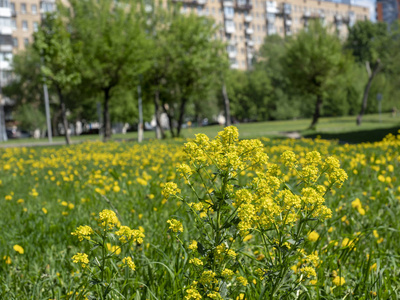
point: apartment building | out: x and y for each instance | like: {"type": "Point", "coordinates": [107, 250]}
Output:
{"type": "Point", "coordinates": [6, 45]}
{"type": "Point", "coordinates": [388, 10]}
{"type": "Point", "coordinates": [26, 18]}
{"type": "Point", "coordinates": [244, 23]}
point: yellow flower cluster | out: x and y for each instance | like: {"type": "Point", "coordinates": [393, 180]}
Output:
{"type": "Point", "coordinates": [127, 261]}
{"type": "Point", "coordinates": [126, 234]}
{"type": "Point", "coordinates": [83, 232]}
{"type": "Point", "coordinates": [170, 189]}
{"type": "Point", "coordinates": [175, 225]}
{"type": "Point", "coordinates": [108, 218]}
{"type": "Point", "coordinates": [81, 258]}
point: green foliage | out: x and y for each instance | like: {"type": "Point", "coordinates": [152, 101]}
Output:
{"type": "Point", "coordinates": [367, 41]}
{"type": "Point", "coordinates": [30, 117]}
{"type": "Point", "coordinates": [60, 57]}
{"type": "Point", "coordinates": [313, 60]}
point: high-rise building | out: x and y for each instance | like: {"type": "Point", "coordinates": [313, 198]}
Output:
{"type": "Point", "coordinates": [388, 10]}
{"type": "Point", "coordinates": [6, 45]}
{"type": "Point", "coordinates": [26, 18]}
{"type": "Point", "coordinates": [244, 23]}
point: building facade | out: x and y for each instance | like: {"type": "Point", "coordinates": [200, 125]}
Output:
{"type": "Point", "coordinates": [245, 24]}
{"type": "Point", "coordinates": [26, 18]}
{"type": "Point", "coordinates": [388, 10]}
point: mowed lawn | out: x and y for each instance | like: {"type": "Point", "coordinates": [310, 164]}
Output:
{"type": "Point", "coordinates": [344, 129]}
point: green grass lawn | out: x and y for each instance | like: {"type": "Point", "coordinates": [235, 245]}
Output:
{"type": "Point", "coordinates": [343, 129]}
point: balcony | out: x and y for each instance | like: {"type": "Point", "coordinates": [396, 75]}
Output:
{"type": "Point", "coordinates": [232, 54]}
{"type": "Point", "coordinates": [250, 43]}
{"type": "Point", "coordinates": [5, 12]}
{"type": "Point", "coordinates": [192, 2]}
{"type": "Point", "coordinates": [270, 18]}
{"type": "Point", "coordinates": [5, 65]}
{"type": "Point", "coordinates": [248, 18]}
{"type": "Point", "coordinates": [249, 31]}
{"type": "Point", "coordinates": [228, 15]}
{"type": "Point", "coordinates": [227, 3]}
{"type": "Point", "coordinates": [271, 7]}
{"type": "Point", "coordinates": [250, 55]}
{"type": "Point", "coordinates": [234, 65]}
{"type": "Point", "coordinates": [271, 30]}
{"type": "Point", "coordinates": [230, 29]}
{"type": "Point", "coordinates": [288, 22]}
{"type": "Point", "coordinates": [243, 5]}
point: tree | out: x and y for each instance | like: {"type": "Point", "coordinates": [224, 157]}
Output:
{"type": "Point", "coordinates": [313, 59]}
{"type": "Point", "coordinates": [187, 66]}
{"type": "Point", "coordinates": [60, 60]}
{"type": "Point", "coordinates": [368, 43]}
{"type": "Point", "coordinates": [114, 46]}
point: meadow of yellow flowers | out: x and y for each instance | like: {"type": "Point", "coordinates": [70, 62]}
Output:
{"type": "Point", "coordinates": [218, 218]}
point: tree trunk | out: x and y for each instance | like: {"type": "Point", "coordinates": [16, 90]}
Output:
{"type": "Point", "coordinates": [181, 115]}
{"type": "Point", "coordinates": [64, 116]}
{"type": "Point", "coordinates": [54, 122]}
{"type": "Point", "coordinates": [106, 116]}
{"type": "Point", "coordinates": [159, 130]}
{"type": "Point", "coordinates": [317, 112]}
{"type": "Point", "coordinates": [226, 106]}
{"type": "Point", "coordinates": [371, 76]}
{"type": "Point", "coordinates": [170, 120]}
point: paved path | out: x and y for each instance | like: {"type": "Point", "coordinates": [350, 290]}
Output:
{"type": "Point", "coordinates": [36, 144]}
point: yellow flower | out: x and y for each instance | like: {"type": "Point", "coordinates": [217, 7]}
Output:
{"type": "Point", "coordinates": [193, 246]}
{"type": "Point", "coordinates": [175, 225]}
{"type": "Point", "coordinates": [81, 258]}
{"type": "Point", "coordinates": [83, 232]}
{"type": "Point", "coordinates": [127, 261]}
{"type": "Point", "coordinates": [208, 277]}
{"type": "Point", "coordinates": [108, 218]}
{"type": "Point", "coordinates": [126, 234]}
{"type": "Point", "coordinates": [116, 188]}
{"type": "Point", "coordinates": [7, 260]}
{"type": "Point", "coordinates": [170, 189]}
{"type": "Point", "coordinates": [243, 281]}
{"type": "Point", "coordinates": [313, 236]}
{"type": "Point", "coordinates": [44, 210]}
{"type": "Point", "coordinates": [196, 261]}
{"type": "Point", "coordinates": [338, 281]}
{"type": "Point", "coordinates": [19, 249]}
{"type": "Point", "coordinates": [308, 271]}
{"type": "Point", "coordinates": [372, 267]}
{"type": "Point", "coordinates": [227, 273]}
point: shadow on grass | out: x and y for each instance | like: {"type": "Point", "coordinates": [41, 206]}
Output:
{"type": "Point", "coordinates": [354, 137]}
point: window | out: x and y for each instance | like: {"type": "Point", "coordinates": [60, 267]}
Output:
{"type": "Point", "coordinates": [5, 22]}
{"type": "Point", "coordinates": [23, 8]}
{"type": "Point", "coordinates": [24, 25]}
{"type": "Point", "coordinates": [35, 26]}
{"type": "Point", "coordinates": [5, 56]}
{"type": "Point", "coordinates": [12, 6]}
{"type": "Point", "coordinates": [229, 12]}
{"type": "Point", "coordinates": [26, 41]}
{"type": "Point", "coordinates": [34, 9]}
{"type": "Point", "coordinates": [15, 42]}
{"type": "Point", "coordinates": [13, 24]}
